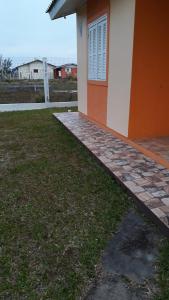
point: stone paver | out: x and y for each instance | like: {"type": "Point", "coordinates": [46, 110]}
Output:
{"type": "Point", "coordinates": [160, 146]}
{"type": "Point", "coordinates": [143, 177]}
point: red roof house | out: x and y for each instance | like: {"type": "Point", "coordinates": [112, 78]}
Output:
{"type": "Point", "coordinates": [65, 71]}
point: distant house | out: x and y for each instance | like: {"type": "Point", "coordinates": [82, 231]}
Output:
{"type": "Point", "coordinates": [34, 70]}
{"type": "Point", "coordinates": [65, 71]}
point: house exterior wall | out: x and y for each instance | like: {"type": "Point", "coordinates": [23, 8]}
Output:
{"type": "Point", "coordinates": [74, 72]}
{"type": "Point", "coordinates": [24, 72]}
{"type": "Point", "coordinates": [133, 101]}
{"type": "Point", "coordinates": [108, 102]}
{"type": "Point", "coordinates": [64, 74]}
{"type": "Point", "coordinates": [38, 66]}
{"type": "Point", "coordinates": [27, 71]}
{"type": "Point", "coordinates": [97, 90]}
{"type": "Point", "coordinates": [56, 73]}
{"type": "Point", "coordinates": [122, 18]}
{"type": "Point", "coordinates": [82, 46]}
{"type": "Point", "coordinates": [149, 114]}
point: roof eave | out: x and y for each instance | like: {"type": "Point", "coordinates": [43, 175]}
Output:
{"type": "Point", "coordinates": [56, 8]}
{"type": "Point", "coordinates": [63, 8]}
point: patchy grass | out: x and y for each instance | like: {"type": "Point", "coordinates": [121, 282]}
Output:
{"type": "Point", "coordinates": [58, 208]}
{"type": "Point", "coordinates": [23, 91]}
{"type": "Point", "coordinates": [163, 278]}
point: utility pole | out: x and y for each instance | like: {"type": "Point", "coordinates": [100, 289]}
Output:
{"type": "Point", "coordinates": [46, 80]}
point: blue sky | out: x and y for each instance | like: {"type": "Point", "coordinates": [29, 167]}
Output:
{"type": "Point", "coordinates": [27, 31]}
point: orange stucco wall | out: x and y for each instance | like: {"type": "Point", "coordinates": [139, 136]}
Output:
{"type": "Point", "coordinates": [149, 112]}
{"type": "Point", "coordinates": [97, 90]}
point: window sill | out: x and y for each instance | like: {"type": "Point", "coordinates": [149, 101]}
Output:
{"type": "Point", "coordinates": [98, 82]}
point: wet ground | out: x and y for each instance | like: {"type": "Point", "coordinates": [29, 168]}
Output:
{"type": "Point", "coordinates": [128, 265]}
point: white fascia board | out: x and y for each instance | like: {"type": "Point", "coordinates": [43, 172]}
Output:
{"type": "Point", "coordinates": [56, 8]}
{"type": "Point", "coordinates": [64, 8]}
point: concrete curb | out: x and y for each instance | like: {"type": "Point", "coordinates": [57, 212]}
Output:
{"type": "Point", "coordinates": [32, 106]}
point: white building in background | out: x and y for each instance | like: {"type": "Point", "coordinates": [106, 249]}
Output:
{"type": "Point", "coordinates": [33, 70]}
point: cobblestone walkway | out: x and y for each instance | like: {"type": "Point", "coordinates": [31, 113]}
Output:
{"type": "Point", "coordinates": [143, 177]}
{"type": "Point", "coordinates": [159, 146]}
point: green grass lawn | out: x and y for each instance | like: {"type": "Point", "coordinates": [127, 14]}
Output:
{"type": "Point", "coordinates": [58, 209]}
{"type": "Point", "coordinates": [163, 278]}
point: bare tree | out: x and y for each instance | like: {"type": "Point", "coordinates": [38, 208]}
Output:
{"type": "Point", "coordinates": [1, 62]}
{"type": "Point", "coordinates": [5, 67]}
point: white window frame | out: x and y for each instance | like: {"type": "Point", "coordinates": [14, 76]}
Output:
{"type": "Point", "coordinates": [68, 70]}
{"type": "Point", "coordinates": [96, 71]}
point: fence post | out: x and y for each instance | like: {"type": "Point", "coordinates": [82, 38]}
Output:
{"type": "Point", "coordinates": [46, 80]}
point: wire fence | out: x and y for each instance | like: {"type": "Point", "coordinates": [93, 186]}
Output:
{"type": "Point", "coordinates": [23, 81]}
{"type": "Point", "coordinates": [57, 61]}
{"type": "Point", "coordinates": [32, 67]}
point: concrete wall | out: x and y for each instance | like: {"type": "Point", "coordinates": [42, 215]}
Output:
{"type": "Point", "coordinates": [108, 102]}
{"type": "Point", "coordinates": [82, 59]}
{"type": "Point", "coordinates": [149, 115]}
{"type": "Point", "coordinates": [97, 90]}
{"type": "Point", "coordinates": [122, 18]}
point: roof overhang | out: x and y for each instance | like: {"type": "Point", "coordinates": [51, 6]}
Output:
{"type": "Point", "coordinates": [63, 8]}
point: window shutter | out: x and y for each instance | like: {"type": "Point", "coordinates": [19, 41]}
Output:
{"type": "Point", "coordinates": [104, 56]}
{"type": "Point", "coordinates": [97, 49]}
{"type": "Point", "coordinates": [90, 54]}
{"type": "Point", "coordinates": [94, 71]}
{"type": "Point", "coordinates": [100, 51]}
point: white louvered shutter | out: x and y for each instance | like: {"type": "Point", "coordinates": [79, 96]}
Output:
{"type": "Point", "coordinates": [104, 53]}
{"type": "Point", "coordinates": [100, 51]}
{"type": "Point", "coordinates": [92, 53]}
{"type": "Point", "coordinates": [97, 49]}
{"type": "Point", "coordinates": [90, 56]}
{"type": "Point", "coordinates": [94, 71]}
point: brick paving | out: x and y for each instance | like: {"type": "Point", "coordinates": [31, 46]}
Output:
{"type": "Point", "coordinates": [159, 146]}
{"type": "Point", "coordinates": [143, 177]}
